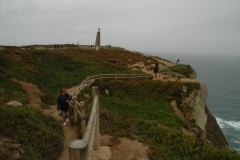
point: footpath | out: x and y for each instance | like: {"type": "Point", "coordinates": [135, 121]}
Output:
{"type": "Point", "coordinates": [121, 148]}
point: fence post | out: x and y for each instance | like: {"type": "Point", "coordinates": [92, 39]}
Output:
{"type": "Point", "coordinates": [97, 134]}
{"type": "Point", "coordinates": [74, 110]}
{"type": "Point", "coordinates": [83, 123]}
{"type": "Point", "coordinates": [83, 85]}
{"type": "Point", "coordinates": [74, 154]}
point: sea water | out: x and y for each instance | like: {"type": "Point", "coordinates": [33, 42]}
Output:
{"type": "Point", "coordinates": [221, 74]}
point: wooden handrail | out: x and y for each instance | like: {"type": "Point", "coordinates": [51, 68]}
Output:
{"type": "Point", "coordinates": [108, 76]}
{"type": "Point", "coordinates": [82, 148]}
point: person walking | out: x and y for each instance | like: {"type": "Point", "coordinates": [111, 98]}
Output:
{"type": "Point", "coordinates": [156, 69]}
{"type": "Point", "coordinates": [63, 105]}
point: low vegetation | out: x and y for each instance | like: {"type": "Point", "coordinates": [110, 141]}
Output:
{"type": "Point", "coordinates": [183, 69]}
{"type": "Point", "coordinates": [41, 135]}
{"type": "Point", "coordinates": [139, 110]}
{"type": "Point", "coordinates": [10, 89]}
{"type": "Point", "coordinates": [51, 70]}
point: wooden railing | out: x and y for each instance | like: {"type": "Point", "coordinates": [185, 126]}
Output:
{"type": "Point", "coordinates": [83, 148]}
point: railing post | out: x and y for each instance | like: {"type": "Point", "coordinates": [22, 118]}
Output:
{"type": "Point", "coordinates": [74, 110]}
{"type": "Point", "coordinates": [83, 85]}
{"type": "Point", "coordinates": [97, 133]}
{"type": "Point", "coordinates": [83, 123]}
{"type": "Point", "coordinates": [74, 154]}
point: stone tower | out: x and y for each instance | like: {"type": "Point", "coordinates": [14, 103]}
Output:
{"type": "Point", "coordinates": [97, 43]}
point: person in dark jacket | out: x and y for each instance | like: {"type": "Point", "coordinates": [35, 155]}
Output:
{"type": "Point", "coordinates": [63, 105]}
{"type": "Point", "coordinates": [156, 69]}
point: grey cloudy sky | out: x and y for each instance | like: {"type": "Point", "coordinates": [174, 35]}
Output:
{"type": "Point", "coordinates": [168, 26]}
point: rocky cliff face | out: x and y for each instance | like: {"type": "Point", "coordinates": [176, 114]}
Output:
{"type": "Point", "coordinates": [195, 113]}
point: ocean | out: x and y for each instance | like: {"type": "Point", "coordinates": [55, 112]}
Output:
{"type": "Point", "coordinates": [221, 74]}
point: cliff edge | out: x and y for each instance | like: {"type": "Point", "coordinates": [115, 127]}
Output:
{"type": "Point", "coordinates": [193, 110]}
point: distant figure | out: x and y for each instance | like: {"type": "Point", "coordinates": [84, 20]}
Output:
{"type": "Point", "coordinates": [178, 60]}
{"type": "Point", "coordinates": [63, 105]}
{"type": "Point", "coordinates": [156, 69]}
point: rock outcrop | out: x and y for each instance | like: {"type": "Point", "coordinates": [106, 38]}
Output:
{"type": "Point", "coordinates": [11, 149]}
{"type": "Point", "coordinates": [200, 122]}
{"type": "Point", "coordinates": [14, 103]}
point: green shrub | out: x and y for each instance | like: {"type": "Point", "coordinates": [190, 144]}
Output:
{"type": "Point", "coordinates": [41, 135]}
{"type": "Point", "coordinates": [10, 90]}
{"type": "Point", "coordinates": [183, 69]}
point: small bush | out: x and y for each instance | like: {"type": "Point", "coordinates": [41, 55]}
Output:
{"type": "Point", "coordinates": [183, 69]}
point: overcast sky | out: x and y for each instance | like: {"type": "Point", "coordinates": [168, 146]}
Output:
{"type": "Point", "coordinates": [167, 26]}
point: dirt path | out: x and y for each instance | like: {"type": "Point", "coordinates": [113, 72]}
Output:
{"type": "Point", "coordinates": [160, 76]}
{"type": "Point", "coordinates": [125, 149]}
{"type": "Point", "coordinates": [70, 131]}
{"type": "Point", "coordinates": [33, 93]}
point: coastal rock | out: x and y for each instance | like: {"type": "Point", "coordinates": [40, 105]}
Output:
{"type": "Point", "coordinates": [194, 75]}
{"type": "Point", "coordinates": [201, 123]}
{"type": "Point", "coordinates": [14, 103]}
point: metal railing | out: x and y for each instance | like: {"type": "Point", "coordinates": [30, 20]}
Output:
{"type": "Point", "coordinates": [83, 148]}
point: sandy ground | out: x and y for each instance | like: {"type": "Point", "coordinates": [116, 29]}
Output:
{"type": "Point", "coordinates": [124, 148]}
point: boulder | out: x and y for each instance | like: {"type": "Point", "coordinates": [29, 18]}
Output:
{"type": "Point", "coordinates": [14, 103]}
{"type": "Point", "coordinates": [86, 95]}
{"type": "Point", "coordinates": [106, 91]}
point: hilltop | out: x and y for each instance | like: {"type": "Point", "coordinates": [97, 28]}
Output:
{"type": "Point", "coordinates": [168, 113]}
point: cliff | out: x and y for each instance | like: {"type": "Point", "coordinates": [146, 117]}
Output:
{"type": "Point", "coordinates": [200, 122]}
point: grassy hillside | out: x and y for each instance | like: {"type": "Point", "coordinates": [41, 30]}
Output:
{"type": "Point", "coordinates": [41, 135]}
{"type": "Point", "coordinates": [139, 109]}
{"type": "Point", "coordinates": [52, 70]}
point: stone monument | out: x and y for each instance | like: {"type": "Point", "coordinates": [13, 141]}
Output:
{"type": "Point", "coordinates": [97, 43]}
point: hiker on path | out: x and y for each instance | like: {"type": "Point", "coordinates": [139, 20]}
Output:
{"type": "Point", "coordinates": [156, 69]}
{"type": "Point", "coordinates": [63, 105]}
{"type": "Point", "coordinates": [178, 60]}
